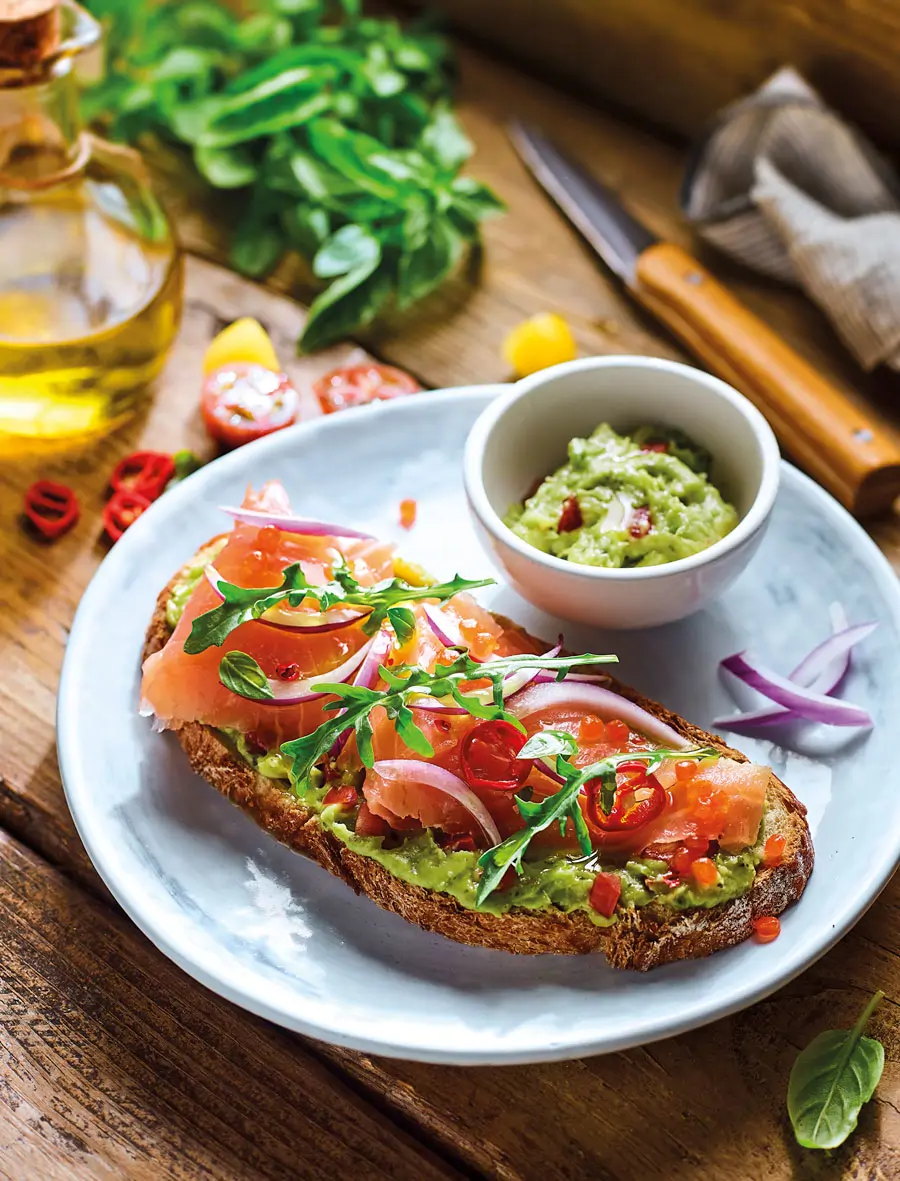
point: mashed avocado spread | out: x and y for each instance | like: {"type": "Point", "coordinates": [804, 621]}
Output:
{"type": "Point", "coordinates": [556, 880]}
{"type": "Point", "coordinates": [626, 500]}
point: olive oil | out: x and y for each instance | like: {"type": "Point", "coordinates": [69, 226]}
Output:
{"type": "Point", "coordinates": [90, 275]}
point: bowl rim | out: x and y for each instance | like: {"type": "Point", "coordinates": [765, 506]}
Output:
{"type": "Point", "coordinates": [753, 519]}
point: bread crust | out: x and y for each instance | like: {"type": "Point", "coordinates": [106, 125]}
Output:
{"type": "Point", "coordinates": [643, 938]}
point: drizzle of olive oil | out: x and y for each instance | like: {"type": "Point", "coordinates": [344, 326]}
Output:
{"type": "Point", "coordinates": [90, 300]}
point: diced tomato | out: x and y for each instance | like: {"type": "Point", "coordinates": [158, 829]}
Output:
{"type": "Point", "coordinates": [773, 850]}
{"type": "Point", "coordinates": [408, 513]}
{"type": "Point", "coordinates": [766, 928]}
{"type": "Point", "coordinates": [459, 842]}
{"type": "Point", "coordinates": [355, 385]}
{"type": "Point", "coordinates": [641, 522]}
{"type": "Point", "coordinates": [705, 872]}
{"type": "Point", "coordinates": [570, 517]}
{"type": "Point", "coordinates": [605, 893]}
{"type": "Point", "coordinates": [370, 825]}
{"type": "Point", "coordinates": [242, 401]}
{"type": "Point", "coordinates": [345, 795]}
{"type": "Point", "coordinates": [661, 445]}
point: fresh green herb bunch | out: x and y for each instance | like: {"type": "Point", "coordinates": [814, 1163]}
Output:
{"type": "Point", "coordinates": [335, 130]}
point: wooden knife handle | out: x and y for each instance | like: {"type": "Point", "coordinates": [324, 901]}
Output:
{"type": "Point", "coordinates": [855, 456]}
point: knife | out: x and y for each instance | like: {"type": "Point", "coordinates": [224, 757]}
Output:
{"type": "Point", "coordinates": [855, 456]}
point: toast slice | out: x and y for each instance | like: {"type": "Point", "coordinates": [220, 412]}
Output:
{"type": "Point", "coordinates": [643, 938]}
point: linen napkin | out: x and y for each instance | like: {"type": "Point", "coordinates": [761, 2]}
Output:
{"type": "Point", "coordinates": [782, 184]}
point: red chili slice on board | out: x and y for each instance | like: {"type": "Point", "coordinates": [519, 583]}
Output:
{"type": "Point", "coordinates": [121, 511]}
{"type": "Point", "coordinates": [570, 517]}
{"type": "Point", "coordinates": [242, 401]}
{"type": "Point", "coordinates": [51, 508]}
{"type": "Point", "coordinates": [629, 811]}
{"type": "Point", "coordinates": [356, 385]}
{"type": "Point", "coordinates": [144, 472]}
{"type": "Point", "coordinates": [488, 756]}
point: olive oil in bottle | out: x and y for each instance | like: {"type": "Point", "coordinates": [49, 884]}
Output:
{"type": "Point", "coordinates": [90, 275]}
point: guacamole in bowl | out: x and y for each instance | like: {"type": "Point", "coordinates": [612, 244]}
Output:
{"type": "Point", "coordinates": [621, 501]}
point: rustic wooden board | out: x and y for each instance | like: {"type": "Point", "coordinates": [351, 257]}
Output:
{"type": "Point", "coordinates": [679, 64]}
{"type": "Point", "coordinates": [709, 1103]}
{"type": "Point", "coordinates": [112, 1064]}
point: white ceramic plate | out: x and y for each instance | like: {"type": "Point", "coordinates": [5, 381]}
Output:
{"type": "Point", "coordinates": [274, 933]}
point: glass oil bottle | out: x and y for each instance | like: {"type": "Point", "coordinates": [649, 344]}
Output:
{"type": "Point", "coordinates": [90, 275]}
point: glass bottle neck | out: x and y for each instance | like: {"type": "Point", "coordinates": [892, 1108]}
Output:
{"type": "Point", "coordinates": [40, 130]}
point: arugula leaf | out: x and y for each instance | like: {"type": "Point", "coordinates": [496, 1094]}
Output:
{"type": "Point", "coordinates": [563, 805]}
{"type": "Point", "coordinates": [243, 604]}
{"type": "Point", "coordinates": [832, 1079]}
{"type": "Point", "coordinates": [242, 675]}
{"type": "Point", "coordinates": [403, 622]}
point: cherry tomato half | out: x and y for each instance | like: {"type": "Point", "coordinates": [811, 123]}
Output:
{"type": "Point", "coordinates": [243, 401]}
{"type": "Point", "coordinates": [355, 385]}
{"type": "Point", "coordinates": [488, 757]}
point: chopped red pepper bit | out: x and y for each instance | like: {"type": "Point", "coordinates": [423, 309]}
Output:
{"type": "Point", "coordinates": [255, 744]}
{"type": "Point", "coordinates": [705, 872]}
{"type": "Point", "coordinates": [288, 672]}
{"type": "Point", "coordinates": [766, 928]}
{"type": "Point", "coordinates": [370, 825]}
{"type": "Point", "coordinates": [462, 842]}
{"type": "Point", "coordinates": [344, 794]}
{"type": "Point", "coordinates": [661, 445]}
{"type": "Point", "coordinates": [51, 508]}
{"type": "Point", "coordinates": [408, 513]}
{"type": "Point", "coordinates": [605, 893]}
{"type": "Point", "coordinates": [773, 849]}
{"type": "Point", "coordinates": [122, 510]}
{"type": "Point", "coordinates": [570, 518]}
{"type": "Point", "coordinates": [145, 472]}
{"type": "Point", "coordinates": [641, 521]}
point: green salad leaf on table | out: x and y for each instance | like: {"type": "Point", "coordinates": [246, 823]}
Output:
{"type": "Point", "coordinates": [334, 130]}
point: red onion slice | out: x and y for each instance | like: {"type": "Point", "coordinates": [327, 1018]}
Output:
{"type": "Point", "coordinates": [545, 678]}
{"type": "Point", "coordinates": [419, 771]}
{"type": "Point", "coordinates": [517, 681]}
{"type": "Point", "coordinates": [803, 702]}
{"type": "Point", "coordinates": [378, 647]}
{"type": "Point", "coordinates": [302, 525]}
{"type": "Point", "coordinates": [299, 692]}
{"type": "Point", "coordinates": [445, 629]}
{"type": "Point", "coordinates": [433, 706]}
{"type": "Point", "coordinates": [820, 672]}
{"type": "Point", "coordinates": [597, 700]}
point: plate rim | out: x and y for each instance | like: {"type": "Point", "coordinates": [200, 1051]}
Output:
{"type": "Point", "coordinates": [90, 826]}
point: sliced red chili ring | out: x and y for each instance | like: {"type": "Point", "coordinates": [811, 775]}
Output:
{"type": "Point", "coordinates": [145, 472]}
{"type": "Point", "coordinates": [628, 812]}
{"type": "Point", "coordinates": [122, 510]}
{"type": "Point", "coordinates": [489, 756]}
{"type": "Point", "coordinates": [51, 508]}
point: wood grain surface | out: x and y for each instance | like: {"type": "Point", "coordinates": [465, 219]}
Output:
{"type": "Point", "coordinates": [679, 64]}
{"type": "Point", "coordinates": [113, 1063]}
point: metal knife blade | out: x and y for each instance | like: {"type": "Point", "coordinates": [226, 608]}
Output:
{"type": "Point", "coordinates": [593, 209]}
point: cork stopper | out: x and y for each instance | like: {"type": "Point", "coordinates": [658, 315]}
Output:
{"type": "Point", "coordinates": [29, 32]}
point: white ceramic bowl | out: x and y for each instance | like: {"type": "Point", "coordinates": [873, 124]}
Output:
{"type": "Point", "coordinates": [523, 436]}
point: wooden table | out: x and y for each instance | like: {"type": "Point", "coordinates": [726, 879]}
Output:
{"type": "Point", "coordinates": [113, 1063]}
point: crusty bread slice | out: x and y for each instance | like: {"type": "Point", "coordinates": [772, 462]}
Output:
{"type": "Point", "coordinates": [642, 938]}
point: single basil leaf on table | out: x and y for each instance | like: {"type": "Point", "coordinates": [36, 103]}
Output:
{"type": "Point", "coordinates": [350, 247]}
{"type": "Point", "coordinates": [240, 673]}
{"type": "Point", "coordinates": [831, 1080]}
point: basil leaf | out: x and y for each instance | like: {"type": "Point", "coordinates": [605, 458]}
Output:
{"type": "Point", "coordinates": [292, 98]}
{"type": "Point", "coordinates": [242, 675]}
{"type": "Point", "coordinates": [352, 246]}
{"type": "Point", "coordinates": [425, 267]}
{"type": "Point", "coordinates": [257, 244]}
{"type": "Point", "coordinates": [831, 1080]}
{"type": "Point", "coordinates": [445, 141]}
{"type": "Point", "coordinates": [226, 168]}
{"type": "Point", "coordinates": [547, 743]}
{"type": "Point", "coordinates": [351, 302]}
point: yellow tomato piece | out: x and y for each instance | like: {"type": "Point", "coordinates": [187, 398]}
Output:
{"type": "Point", "coordinates": [244, 340]}
{"type": "Point", "coordinates": [545, 339]}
